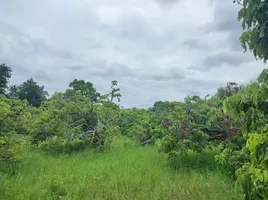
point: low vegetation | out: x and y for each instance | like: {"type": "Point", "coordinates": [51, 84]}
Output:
{"type": "Point", "coordinates": [122, 172]}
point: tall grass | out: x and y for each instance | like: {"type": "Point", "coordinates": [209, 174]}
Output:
{"type": "Point", "coordinates": [123, 172]}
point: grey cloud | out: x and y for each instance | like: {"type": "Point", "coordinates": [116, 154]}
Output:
{"type": "Point", "coordinates": [145, 45]}
{"type": "Point", "coordinates": [30, 45]}
{"type": "Point", "coordinates": [225, 17]}
{"type": "Point", "coordinates": [17, 67]}
{"type": "Point", "coordinates": [40, 47]}
{"type": "Point", "coordinates": [161, 77]}
{"type": "Point", "coordinates": [74, 67]}
{"type": "Point", "coordinates": [201, 84]}
{"type": "Point", "coordinates": [41, 75]}
{"type": "Point", "coordinates": [199, 87]}
{"type": "Point", "coordinates": [96, 46]}
{"type": "Point", "coordinates": [116, 70]}
{"type": "Point", "coordinates": [91, 43]}
{"type": "Point", "coordinates": [168, 74]}
{"type": "Point", "coordinates": [228, 58]}
{"type": "Point", "coordinates": [225, 20]}
{"type": "Point", "coordinates": [133, 26]}
{"type": "Point", "coordinates": [199, 68]}
{"type": "Point", "coordinates": [234, 40]}
{"type": "Point", "coordinates": [167, 2]}
{"type": "Point", "coordinates": [113, 70]}
{"type": "Point", "coordinates": [195, 44]}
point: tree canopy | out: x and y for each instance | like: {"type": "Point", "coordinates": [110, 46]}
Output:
{"type": "Point", "coordinates": [30, 91]}
{"type": "Point", "coordinates": [5, 75]}
{"type": "Point", "coordinates": [254, 18]}
{"type": "Point", "coordinates": [85, 89]}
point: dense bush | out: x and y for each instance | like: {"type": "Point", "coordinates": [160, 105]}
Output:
{"type": "Point", "coordinates": [64, 123]}
{"type": "Point", "coordinates": [13, 114]}
{"type": "Point", "coordinates": [12, 146]}
{"type": "Point", "coordinates": [250, 106]}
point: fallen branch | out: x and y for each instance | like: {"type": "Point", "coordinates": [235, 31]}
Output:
{"type": "Point", "coordinates": [152, 139]}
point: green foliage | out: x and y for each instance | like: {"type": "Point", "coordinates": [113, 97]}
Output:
{"type": "Point", "coordinates": [5, 74]}
{"type": "Point", "coordinates": [141, 125]}
{"type": "Point", "coordinates": [14, 114]}
{"type": "Point", "coordinates": [56, 145]}
{"type": "Point", "coordinates": [254, 17]}
{"type": "Point", "coordinates": [233, 154]}
{"type": "Point", "coordinates": [250, 106]}
{"type": "Point", "coordinates": [4, 110]}
{"type": "Point", "coordinates": [165, 107]}
{"type": "Point", "coordinates": [70, 121]}
{"type": "Point", "coordinates": [63, 115]}
{"type": "Point", "coordinates": [85, 89]}
{"type": "Point", "coordinates": [253, 176]}
{"type": "Point", "coordinates": [115, 91]}
{"type": "Point", "coordinates": [12, 142]}
{"type": "Point", "coordinates": [11, 147]}
{"type": "Point", "coordinates": [196, 125]}
{"type": "Point", "coordinates": [67, 122]}
{"type": "Point", "coordinates": [30, 91]}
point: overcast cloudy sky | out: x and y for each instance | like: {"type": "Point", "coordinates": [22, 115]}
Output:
{"type": "Point", "coordinates": [156, 49]}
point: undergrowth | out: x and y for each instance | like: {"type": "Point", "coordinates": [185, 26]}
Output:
{"type": "Point", "coordinates": [122, 172]}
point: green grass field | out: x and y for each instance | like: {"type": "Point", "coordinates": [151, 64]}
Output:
{"type": "Point", "coordinates": [119, 173]}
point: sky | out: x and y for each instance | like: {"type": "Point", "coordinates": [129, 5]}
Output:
{"type": "Point", "coordinates": [155, 49]}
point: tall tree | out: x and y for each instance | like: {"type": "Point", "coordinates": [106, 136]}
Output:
{"type": "Point", "coordinates": [13, 91]}
{"type": "Point", "coordinates": [5, 74]}
{"type": "Point", "coordinates": [85, 89]}
{"type": "Point", "coordinates": [115, 91]}
{"type": "Point", "coordinates": [254, 17]}
{"type": "Point", "coordinates": [30, 91]}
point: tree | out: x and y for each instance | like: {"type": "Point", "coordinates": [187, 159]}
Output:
{"type": "Point", "coordinates": [5, 74]}
{"type": "Point", "coordinates": [230, 89]}
{"type": "Point", "coordinates": [30, 91]}
{"type": "Point", "coordinates": [251, 103]}
{"type": "Point", "coordinates": [13, 113]}
{"type": "Point", "coordinates": [196, 125]}
{"type": "Point", "coordinates": [250, 106]}
{"type": "Point", "coordinates": [254, 15]}
{"type": "Point", "coordinates": [11, 147]}
{"type": "Point", "coordinates": [115, 91]}
{"type": "Point", "coordinates": [85, 89]}
{"type": "Point", "coordinates": [13, 91]}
